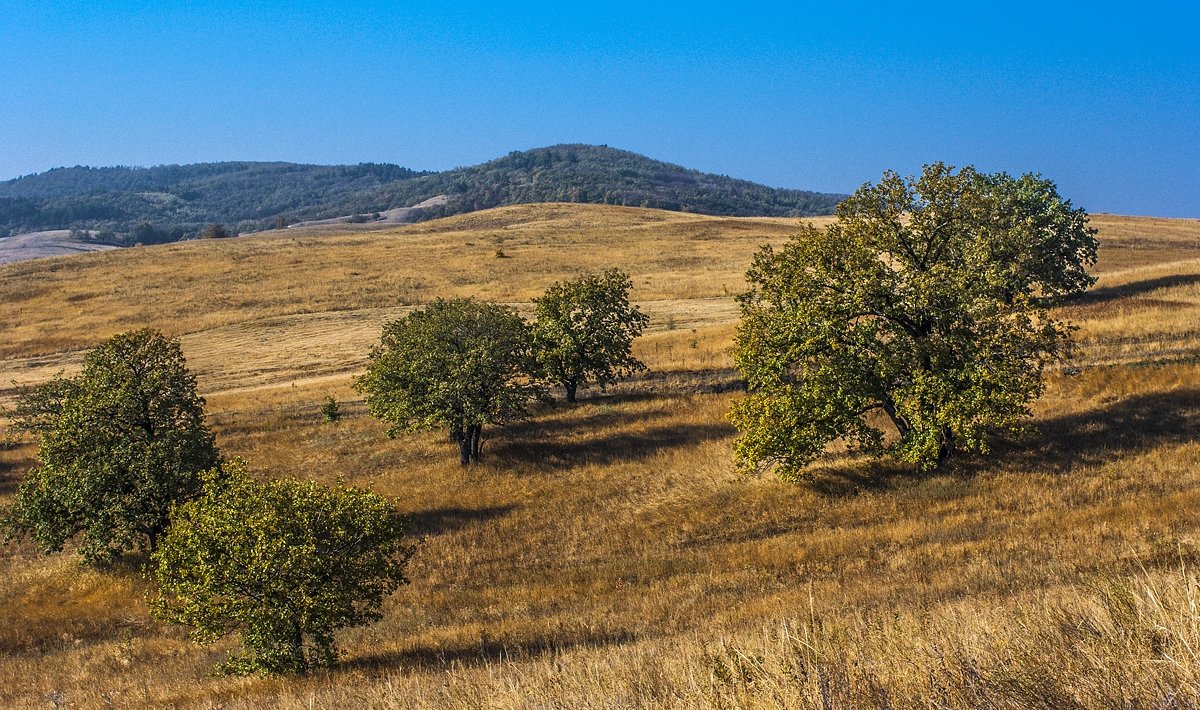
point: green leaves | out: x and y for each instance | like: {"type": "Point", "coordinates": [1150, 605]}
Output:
{"type": "Point", "coordinates": [460, 364]}
{"type": "Point", "coordinates": [584, 331]}
{"type": "Point", "coordinates": [924, 303]}
{"type": "Point", "coordinates": [455, 364]}
{"type": "Point", "coordinates": [285, 563]}
{"type": "Point", "coordinates": [119, 444]}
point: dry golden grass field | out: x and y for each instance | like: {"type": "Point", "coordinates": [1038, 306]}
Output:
{"type": "Point", "coordinates": [607, 554]}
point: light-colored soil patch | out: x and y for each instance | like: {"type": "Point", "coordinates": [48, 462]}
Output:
{"type": "Point", "coordinates": [37, 245]}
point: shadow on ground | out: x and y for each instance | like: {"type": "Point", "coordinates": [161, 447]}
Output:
{"type": "Point", "coordinates": [487, 650]}
{"type": "Point", "coordinates": [444, 520]}
{"type": "Point", "coordinates": [1112, 431]}
{"type": "Point", "coordinates": [12, 472]}
{"type": "Point", "coordinates": [573, 446]}
{"type": "Point", "coordinates": [10, 480]}
{"type": "Point", "coordinates": [1135, 288]}
{"type": "Point", "coordinates": [842, 477]}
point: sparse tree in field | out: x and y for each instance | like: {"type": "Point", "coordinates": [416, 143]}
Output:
{"type": "Point", "coordinates": [214, 231]}
{"type": "Point", "coordinates": [285, 563]}
{"type": "Point", "coordinates": [584, 331]}
{"type": "Point", "coordinates": [924, 303]}
{"type": "Point", "coordinates": [456, 365]}
{"type": "Point", "coordinates": [119, 444]}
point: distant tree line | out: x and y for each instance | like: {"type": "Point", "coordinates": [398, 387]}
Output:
{"type": "Point", "coordinates": [181, 200]}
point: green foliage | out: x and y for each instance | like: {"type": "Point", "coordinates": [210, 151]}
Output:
{"type": "Point", "coordinates": [584, 331]}
{"type": "Point", "coordinates": [285, 563]}
{"type": "Point", "coordinates": [924, 303]}
{"type": "Point", "coordinates": [455, 364]}
{"type": "Point", "coordinates": [215, 230]}
{"type": "Point", "coordinates": [119, 444]}
{"type": "Point", "coordinates": [330, 411]}
{"type": "Point", "coordinates": [146, 233]}
{"type": "Point", "coordinates": [603, 175]}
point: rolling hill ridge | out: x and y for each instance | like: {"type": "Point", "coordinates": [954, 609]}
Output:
{"type": "Point", "coordinates": [172, 202]}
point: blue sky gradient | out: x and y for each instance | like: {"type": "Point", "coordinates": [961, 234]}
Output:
{"type": "Point", "coordinates": [1102, 98]}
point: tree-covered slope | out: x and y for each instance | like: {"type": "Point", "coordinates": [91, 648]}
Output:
{"type": "Point", "coordinates": [178, 200]}
{"type": "Point", "coordinates": [602, 175]}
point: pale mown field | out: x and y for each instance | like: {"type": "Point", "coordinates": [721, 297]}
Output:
{"type": "Point", "coordinates": [607, 555]}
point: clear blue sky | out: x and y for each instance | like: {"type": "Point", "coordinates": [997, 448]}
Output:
{"type": "Point", "coordinates": [1102, 98]}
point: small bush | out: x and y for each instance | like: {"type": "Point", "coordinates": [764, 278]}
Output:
{"type": "Point", "coordinates": [330, 411]}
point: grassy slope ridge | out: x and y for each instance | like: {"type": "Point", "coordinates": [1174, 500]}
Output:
{"type": "Point", "coordinates": [251, 196]}
{"type": "Point", "coordinates": [607, 555]}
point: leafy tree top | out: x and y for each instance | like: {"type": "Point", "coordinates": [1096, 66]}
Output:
{"type": "Point", "coordinates": [119, 443]}
{"type": "Point", "coordinates": [1018, 232]}
{"type": "Point", "coordinates": [924, 303]}
{"type": "Point", "coordinates": [456, 364]}
{"type": "Point", "coordinates": [584, 330]}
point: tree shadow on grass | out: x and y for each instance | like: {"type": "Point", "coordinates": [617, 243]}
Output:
{"type": "Point", "coordinates": [586, 415]}
{"type": "Point", "coordinates": [1106, 433]}
{"type": "Point", "coordinates": [1113, 431]}
{"type": "Point", "coordinates": [487, 650]}
{"type": "Point", "coordinates": [11, 475]}
{"type": "Point", "coordinates": [443, 520]}
{"type": "Point", "coordinates": [546, 451]}
{"type": "Point", "coordinates": [846, 476]}
{"type": "Point", "coordinates": [1136, 288]}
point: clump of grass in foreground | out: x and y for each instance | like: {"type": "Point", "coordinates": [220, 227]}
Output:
{"type": "Point", "coordinates": [1124, 643]}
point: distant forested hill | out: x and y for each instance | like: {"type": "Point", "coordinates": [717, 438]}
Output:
{"type": "Point", "coordinates": [171, 202]}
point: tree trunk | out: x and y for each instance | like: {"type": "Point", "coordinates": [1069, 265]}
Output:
{"type": "Point", "coordinates": [947, 446]}
{"type": "Point", "coordinates": [571, 388]}
{"type": "Point", "coordinates": [298, 649]}
{"type": "Point", "coordinates": [901, 425]}
{"type": "Point", "coordinates": [462, 436]}
{"type": "Point", "coordinates": [464, 450]}
{"type": "Point", "coordinates": [476, 431]}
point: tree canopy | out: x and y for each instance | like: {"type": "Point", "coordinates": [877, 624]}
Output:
{"type": "Point", "coordinates": [925, 303]}
{"type": "Point", "coordinates": [285, 563]}
{"type": "Point", "coordinates": [455, 364]}
{"type": "Point", "coordinates": [119, 444]}
{"type": "Point", "coordinates": [584, 331]}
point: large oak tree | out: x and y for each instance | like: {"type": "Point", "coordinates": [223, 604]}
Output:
{"type": "Point", "coordinates": [925, 305]}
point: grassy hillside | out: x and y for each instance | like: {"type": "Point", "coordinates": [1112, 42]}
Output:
{"type": "Point", "coordinates": [178, 200]}
{"type": "Point", "coordinates": [607, 554]}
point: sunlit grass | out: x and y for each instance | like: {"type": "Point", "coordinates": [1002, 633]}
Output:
{"type": "Point", "coordinates": [608, 555]}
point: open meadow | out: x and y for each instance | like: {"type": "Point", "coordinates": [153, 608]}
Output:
{"type": "Point", "coordinates": [607, 554]}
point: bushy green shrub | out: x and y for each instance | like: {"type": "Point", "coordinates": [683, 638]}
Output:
{"type": "Point", "coordinates": [284, 563]}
